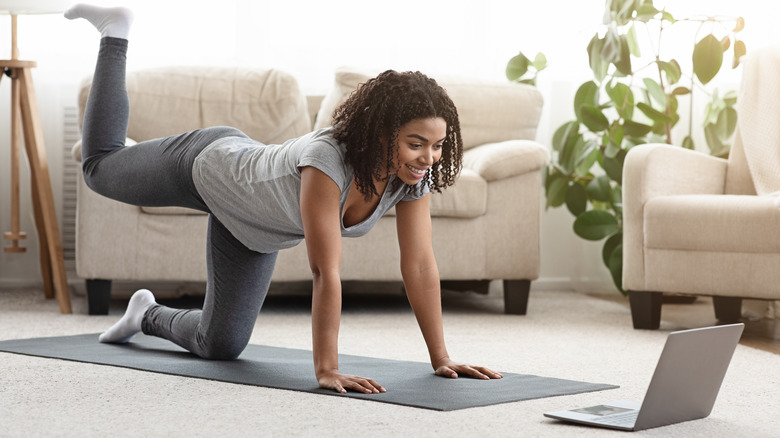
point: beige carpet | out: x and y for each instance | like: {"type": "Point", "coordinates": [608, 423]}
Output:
{"type": "Point", "coordinates": [566, 335]}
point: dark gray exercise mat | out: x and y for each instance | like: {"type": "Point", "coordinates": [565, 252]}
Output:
{"type": "Point", "coordinates": [407, 383]}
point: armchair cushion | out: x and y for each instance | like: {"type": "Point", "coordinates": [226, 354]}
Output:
{"type": "Point", "coordinates": [718, 223]}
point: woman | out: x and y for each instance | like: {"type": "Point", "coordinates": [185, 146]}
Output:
{"type": "Point", "coordinates": [396, 138]}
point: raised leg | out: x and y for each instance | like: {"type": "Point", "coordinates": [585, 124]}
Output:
{"type": "Point", "coordinates": [516, 296]}
{"type": "Point", "coordinates": [98, 296]}
{"type": "Point", "coordinates": [645, 309]}
{"type": "Point", "coordinates": [727, 309]}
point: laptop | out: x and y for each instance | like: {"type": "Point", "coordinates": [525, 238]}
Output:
{"type": "Point", "coordinates": [683, 388]}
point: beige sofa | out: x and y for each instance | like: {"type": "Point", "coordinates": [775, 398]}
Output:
{"type": "Point", "coordinates": [486, 226]}
{"type": "Point", "coordinates": [699, 225]}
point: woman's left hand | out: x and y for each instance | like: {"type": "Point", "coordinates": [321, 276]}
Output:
{"type": "Point", "coordinates": [447, 368]}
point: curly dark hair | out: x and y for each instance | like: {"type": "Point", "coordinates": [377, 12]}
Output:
{"type": "Point", "coordinates": [377, 109]}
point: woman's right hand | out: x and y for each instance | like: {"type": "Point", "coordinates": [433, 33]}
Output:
{"type": "Point", "coordinates": [339, 382]}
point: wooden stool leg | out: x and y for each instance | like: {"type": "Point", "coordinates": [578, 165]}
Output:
{"type": "Point", "coordinates": [43, 244]}
{"type": "Point", "coordinates": [15, 235]}
{"type": "Point", "coordinates": [39, 168]}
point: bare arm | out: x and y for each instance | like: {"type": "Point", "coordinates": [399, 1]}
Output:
{"type": "Point", "coordinates": [423, 288]}
{"type": "Point", "coordinates": [322, 229]}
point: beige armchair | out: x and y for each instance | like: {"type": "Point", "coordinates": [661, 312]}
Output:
{"type": "Point", "coordinates": [699, 225]}
{"type": "Point", "coordinates": [486, 227]}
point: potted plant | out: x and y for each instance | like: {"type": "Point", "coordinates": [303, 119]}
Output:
{"type": "Point", "coordinates": [633, 98]}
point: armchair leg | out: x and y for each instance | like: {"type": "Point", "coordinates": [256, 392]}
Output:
{"type": "Point", "coordinates": [645, 309]}
{"type": "Point", "coordinates": [98, 296]}
{"type": "Point", "coordinates": [727, 309]}
{"type": "Point", "coordinates": [516, 296]}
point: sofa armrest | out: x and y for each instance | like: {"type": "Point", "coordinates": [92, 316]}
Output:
{"type": "Point", "coordinates": [653, 170]}
{"type": "Point", "coordinates": [494, 161]}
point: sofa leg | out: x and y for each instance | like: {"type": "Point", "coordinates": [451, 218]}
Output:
{"type": "Point", "coordinates": [516, 296]}
{"type": "Point", "coordinates": [98, 296]}
{"type": "Point", "coordinates": [645, 309]}
{"type": "Point", "coordinates": [727, 309]}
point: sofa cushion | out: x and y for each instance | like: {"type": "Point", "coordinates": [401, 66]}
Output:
{"type": "Point", "coordinates": [267, 105]}
{"type": "Point", "coordinates": [488, 111]}
{"type": "Point", "coordinates": [494, 161]}
{"type": "Point", "coordinates": [717, 223]}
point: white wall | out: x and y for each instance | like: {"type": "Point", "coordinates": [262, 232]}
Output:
{"type": "Point", "coordinates": [309, 39]}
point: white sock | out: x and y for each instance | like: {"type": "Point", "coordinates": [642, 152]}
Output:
{"type": "Point", "coordinates": [110, 22]}
{"type": "Point", "coordinates": [130, 324]}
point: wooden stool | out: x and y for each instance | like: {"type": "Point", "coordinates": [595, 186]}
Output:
{"type": "Point", "coordinates": [24, 107]}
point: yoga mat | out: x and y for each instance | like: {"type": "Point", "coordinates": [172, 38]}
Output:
{"type": "Point", "coordinates": [407, 383]}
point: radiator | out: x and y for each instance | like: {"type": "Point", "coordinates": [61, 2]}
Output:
{"type": "Point", "coordinates": [70, 168]}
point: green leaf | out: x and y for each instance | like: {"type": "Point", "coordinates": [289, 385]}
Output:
{"type": "Point", "coordinates": [556, 190]}
{"type": "Point", "coordinates": [598, 188]}
{"type": "Point", "coordinates": [730, 98]}
{"type": "Point", "coordinates": [646, 12]}
{"type": "Point", "coordinates": [713, 139]}
{"type": "Point", "coordinates": [540, 61]}
{"type": "Point", "coordinates": [570, 153]}
{"type": "Point", "coordinates": [597, 64]}
{"type": "Point", "coordinates": [587, 94]}
{"type": "Point", "coordinates": [623, 63]}
{"type": "Point", "coordinates": [611, 149]}
{"type": "Point", "coordinates": [517, 67]}
{"type": "Point", "coordinates": [595, 224]}
{"type": "Point", "coordinates": [617, 199]}
{"type": "Point", "coordinates": [593, 118]}
{"type": "Point", "coordinates": [634, 129]}
{"type": "Point", "coordinates": [653, 114]}
{"type": "Point", "coordinates": [624, 9]}
{"type": "Point", "coordinates": [613, 167]}
{"type": "Point", "coordinates": [589, 158]}
{"type": "Point", "coordinates": [725, 42]}
{"type": "Point", "coordinates": [739, 52]}
{"type": "Point", "coordinates": [728, 120]}
{"type": "Point", "coordinates": [672, 71]}
{"type": "Point", "coordinates": [739, 25]}
{"type": "Point", "coordinates": [633, 42]}
{"type": "Point", "coordinates": [707, 58]}
{"type": "Point", "coordinates": [566, 133]}
{"type": "Point", "coordinates": [576, 199]}
{"type": "Point", "coordinates": [616, 134]}
{"type": "Point", "coordinates": [616, 267]}
{"type": "Point", "coordinates": [623, 98]}
{"type": "Point", "coordinates": [655, 91]}
{"type": "Point", "coordinates": [610, 244]}
{"type": "Point", "coordinates": [610, 50]}
{"type": "Point", "coordinates": [688, 143]}
{"type": "Point", "coordinates": [681, 91]}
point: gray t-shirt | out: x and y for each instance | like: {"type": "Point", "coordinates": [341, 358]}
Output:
{"type": "Point", "coordinates": [255, 189]}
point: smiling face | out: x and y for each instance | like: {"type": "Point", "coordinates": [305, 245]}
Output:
{"type": "Point", "coordinates": [419, 147]}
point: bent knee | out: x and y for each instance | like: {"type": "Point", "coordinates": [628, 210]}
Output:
{"type": "Point", "coordinates": [223, 351]}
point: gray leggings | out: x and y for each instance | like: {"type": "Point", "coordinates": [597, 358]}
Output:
{"type": "Point", "coordinates": [158, 173]}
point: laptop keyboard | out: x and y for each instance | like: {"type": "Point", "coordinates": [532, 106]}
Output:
{"type": "Point", "coordinates": [626, 419]}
